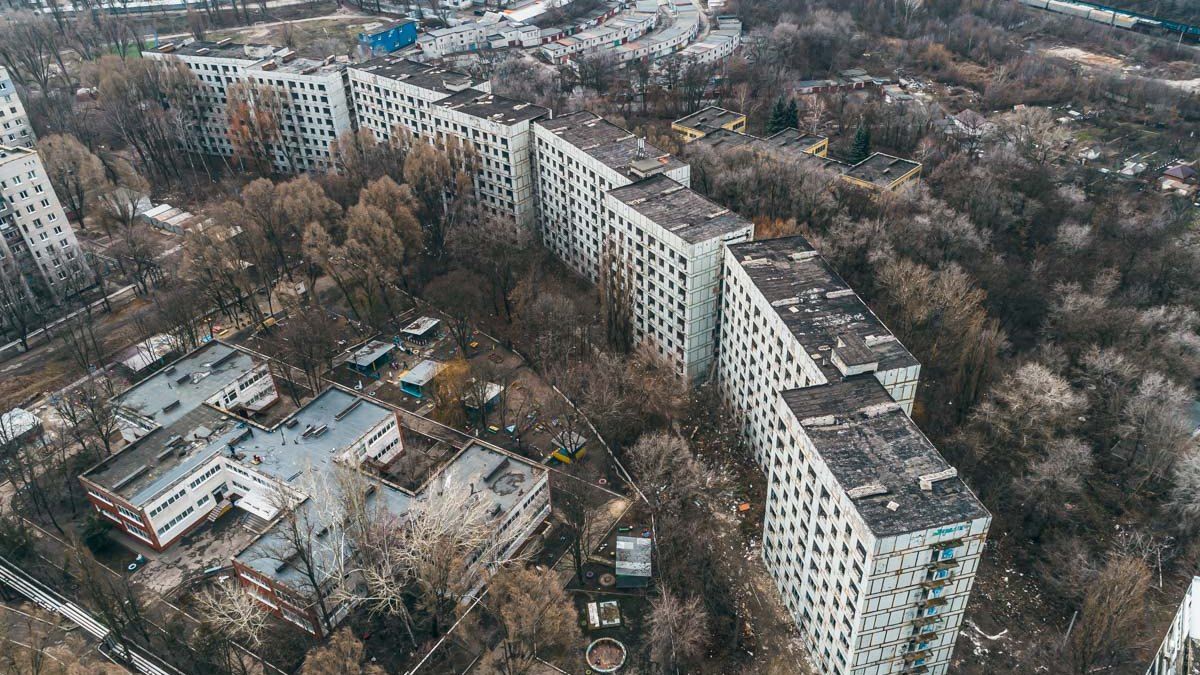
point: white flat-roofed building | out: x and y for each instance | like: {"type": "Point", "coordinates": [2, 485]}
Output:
{"type": "Point", "coordinates": [15, 130]}
{"type": "Point", "coordinates": [37, 244]}
{"type": "Point", "coordinates": [197, 453]}
{"type": "Point", "coordinates": [498, 129]}
{"type": "Point", "coordinates": [720, 43]}
{"type": "Point", "coordinates": [871, 537]}
{"type": "Point", "coordinates": [394, 95]}
{"type": "Point", "coordinates": [578, 158]}
{"type": "Point", "coordinates": [671, 242]}
{"type": "Point", "coordinates": [789, 320]}
{"type": "Point", "coordinates": [309, 98]}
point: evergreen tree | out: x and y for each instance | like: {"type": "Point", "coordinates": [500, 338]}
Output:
{"type": "Point", "coordinates": [778, 119]}
{"type": "Point", "coordinates": [792, 115]}
{"type": "Point", "coordinates": [862, 144]}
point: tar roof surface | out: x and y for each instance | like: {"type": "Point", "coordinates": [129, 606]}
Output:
{"type": "Point", "coordinates": [228, 50]}
{"type": "Point", "coordinates": [681, 211]}
{"type": "Point", "coordinates": [608, 143]}
{"type": "Point", "coordinates": [711, 116]}
{"type": "Point", "coordinates": [499, 479]}
{"type": "Point", "coordinates": [790, 275]}
{"type": "Point", "coordinates": [172, 399]}
{"type": "Point", "coordinates": [504, 111]}
{"type": "Point", "coordinates": [865, 438]}
{"type": "Point", "coordinates": [787, 145]}
{"type": "Point", "coordinates": [286, 452]}
{"type": "Point", "coordinates": [140, 470]}
{"type": "Point", "coordinates": [881, 169]}
{"type": "Point", "coordinates": [415, 73]}
{"type": "Point", "coordinates": [794, 139]}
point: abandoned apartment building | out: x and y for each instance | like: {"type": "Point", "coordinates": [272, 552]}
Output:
{"type": "Point", "coordinates": [871, 537]}
{"type": "Point", "coordinates": [196, 453]}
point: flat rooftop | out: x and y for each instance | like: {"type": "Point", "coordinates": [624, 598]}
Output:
{"type": "Point", "coordinates": [498, 109]}
{"type": "Point", "coordinates": [287, 451]}
{"type": "Point", "coordinates": [187, 382]}
{"type": "Point", "coordinates": [499, 479]}
{"type": "Point", "coordinates": [711, 116]}
{"type": "Point", "coordinates": [606, 142]}
{"type": "Point", "coordinates": [881, 169]}
{"type": "Point", "coordinates": [250, 52]}
{"type": "Point", "coordinates": [788, 144]}
{"type": "Point", "coordinates": [794, 140]}
{"type": "Point", "coordinates": [417, 74]}
{"type": "Point", "coordinates": [139, 470]}
{"type": "Point", "coordinates": [868, 442]}
{"type": "Point", "coordinates": [719, 139]}
{"type": "Point", "coordinates": [680, 210]}
{"type": "Point", "coordinates": [170, 406]}
{"type": "Point", "coordinates": [815, 303]}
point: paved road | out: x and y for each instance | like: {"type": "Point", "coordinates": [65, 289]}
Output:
{"type": "Point", "coordinates": [141, 661]}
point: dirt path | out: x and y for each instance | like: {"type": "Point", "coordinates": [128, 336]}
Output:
{"type": "Point", "coordinates": [1116, 64]}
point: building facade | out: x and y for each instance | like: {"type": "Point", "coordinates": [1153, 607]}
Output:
{"type": "Point", "coordinates": [15, 130]}
{"type": "Point", "coordinates": [872, 539]}
{"type": "Point", "coordinates": [578, 158]}
{"type": "Point", "coordinates": [790, 321]}
{"type": "Point", "coordinates": [197, 452]}
{"type": "Point", "coordinates": [619, 212]}
{"type": "Point", "coordinates": [38, 248]}
{"type": "Point", "coordinates": [306, 99]}
{"type": "Point", "coordinates": [1179, 653]}
{"type": "Point", "coordinates": [669, 243]}
{"type": "Point", "coordinates": [395, 95]}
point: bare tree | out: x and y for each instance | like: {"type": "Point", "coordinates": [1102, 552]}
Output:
{"type": "Point", "coordinates": [678, 631]}
{"type": "Point", "coordinates": [76, 174]}
{"type": "Point", "coordinates": [1112, 615]}
{"type": "Point", "coordinates": [234, 612]}
{"type": "Point", "coordinates": [342, 655]}
{"type": "Point", "coordinates": [536, 620]}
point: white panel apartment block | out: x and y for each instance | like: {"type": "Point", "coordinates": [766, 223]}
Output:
{"type": "Point", "coordinates": [36, 234]}
{"type": "Point", "coordinates": [14, 123]}
{"type": "Point", "coordinates": [672, 242]}
{"type": "Point", "coordinates": [315, 107]}
{"type": "Point", "coordinates": [393, 94]}
{"type": "Point", "coordinates": [871, 537]}
{"type": "Point", "coordinates": [578, 158]}
{"type": "Point", "coordinates": [785, 311]}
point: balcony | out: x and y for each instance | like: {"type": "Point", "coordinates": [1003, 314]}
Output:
{"type": "Point", "coordinates": [932, 602]}
{"type": "Point", "coordinates": [922, 621]}
{"type": "Point", "coordinates": [931, 584]}
{"type": "Point", "coordinates": [947, 564]}
{"type": "Point", "coordinates": [917, 655]}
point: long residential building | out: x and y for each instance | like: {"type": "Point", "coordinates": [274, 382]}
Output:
{"type": "Point", "coordinates": [619, 212]}
{"type": "Point", "coordinates": [307, 99]}
{"type": "Point", "coordinates": [394, 95]}
{"type": "Point", "coordinates": [39, 254]}
{"type": "Point", "coordinates": [15, 130]}
{"type": "Point", "coordinates": [870, 535]}
{"type": "Point", "coordinates": [197, 452]}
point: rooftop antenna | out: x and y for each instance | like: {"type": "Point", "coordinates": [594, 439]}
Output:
{"type": "Point", "coordinates": [641, 149]}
